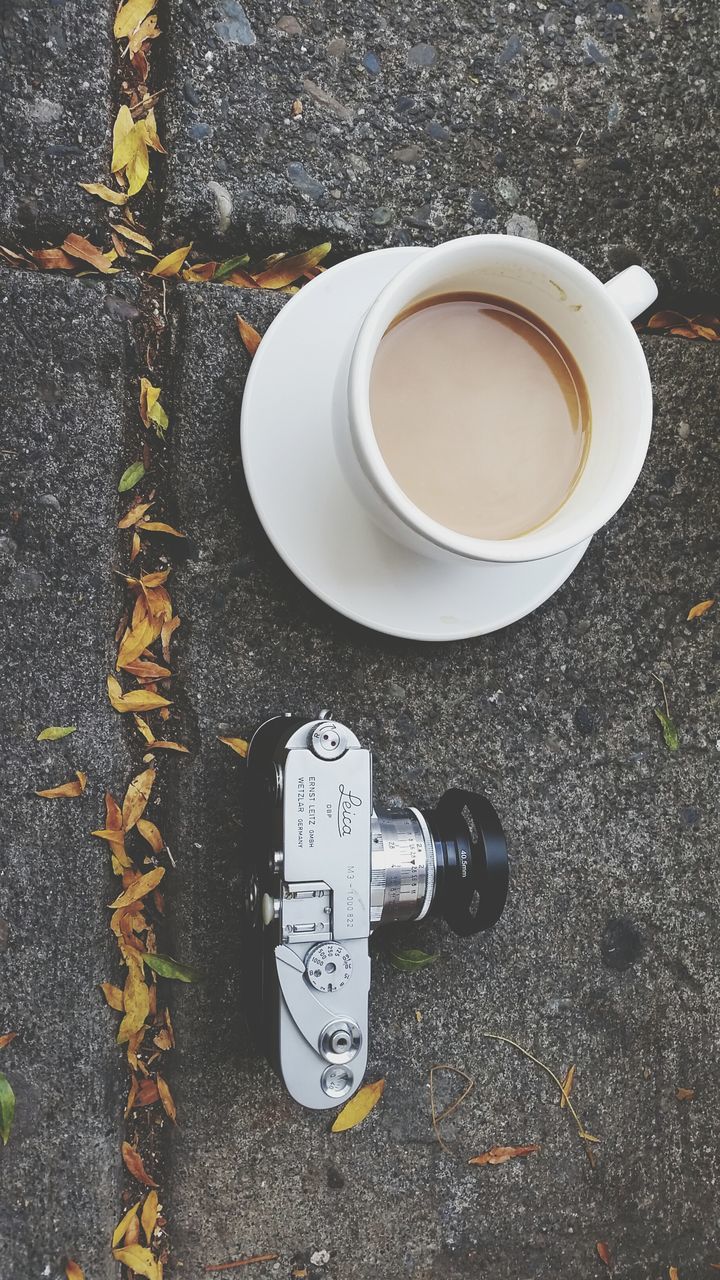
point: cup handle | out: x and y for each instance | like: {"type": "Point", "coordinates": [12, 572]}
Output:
{"type": "Point", "coordinates": [633, 290]}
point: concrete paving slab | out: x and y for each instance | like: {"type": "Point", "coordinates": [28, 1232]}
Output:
{"type": "Point", "coordinates": [63, 394]}
{"type": "Point", "coordinates": [584, 123]}
{"type": "Point", "coordinates": [606, 955]}
{"type": "Point", "coordinates": [55, 116]}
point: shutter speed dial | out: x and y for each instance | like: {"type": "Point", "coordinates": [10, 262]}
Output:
{"type": "Point", "coordinates": [328, 966]}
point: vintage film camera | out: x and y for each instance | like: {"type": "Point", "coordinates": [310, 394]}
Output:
{"type": "Point", "coordinates": [325, 869]}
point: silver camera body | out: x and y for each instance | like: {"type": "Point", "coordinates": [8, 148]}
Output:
{"type": "Point", "coordinates": [327, 868]}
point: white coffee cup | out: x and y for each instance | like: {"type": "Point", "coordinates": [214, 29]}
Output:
{"type": "Point", "coordinates": [594, 322]}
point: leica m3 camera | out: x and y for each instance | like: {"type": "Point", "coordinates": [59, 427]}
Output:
{"type": "Point", "coordinates": [326, 867]}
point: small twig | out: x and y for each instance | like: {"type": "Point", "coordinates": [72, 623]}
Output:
{"type": "Point", "coordinates": [449, 1110]}
{"type": "Point", "coordinates": [587, 1137]}
{"type": "Point", "coordinates": [665, 698]}
{"type": "Point", "coordinates": [243, 1262]}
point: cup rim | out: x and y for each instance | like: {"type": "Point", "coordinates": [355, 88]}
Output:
{"type": "Point", "coordinates": [538, 543]}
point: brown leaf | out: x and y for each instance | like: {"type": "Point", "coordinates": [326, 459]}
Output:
{"type": "Point", "coordinates": [358, 1107]}
{"type": "Point", "coordinates": [165, 1038]}
{"type": "Point", "coordinates": [673, 1273]}
{"type": "Point", "coordinates": [157, 526]}
{"type": "Point", "coordinates": [665, 320]}
{"type": "Point", "coordinates": [73, 1271]}
{"type": "Point", "coordinates": [149, 1215]}
{"type": "Point", "coordinates": [149, 832]}
{"type": "Point", "coordinates": [603, 1253]}
{"type": "Point", "coordinates": [66, 789]}
{"type": "Point", "coordinates": [289, 269]}
{"type": "Point", "coordinates": [136, 797]}
{"type": "Point", "coordinates": [156, 745]}
{"type": "Point", "coordinates": [237, 744]}
{"type": "Point", "coordinates": [240, 277]}
{"type": "Point", "coordinates": [698, 610]}
{"type": "Point", "coordinates": [136, 700]}
{"type": "Point", "coordinates": [144, 670]}
{"type": "Point", "coordinates": [171, 263]}
{"type": "Point", "coordinates": [134, 1165]}
{"type": "Point", "coordinates": [78, 247]}
{"type": "Point", "coordinates": [7, 1039]}
{"type": "Point", "coordinates": [165, 635]}
{"type": "Point", "coordinates": [500, 1155]}
{"type": "Point", "coordinates": [136, 512]}
{"type": "Point", "coordinates": [53, 260]}
{"type": "Point", "coordinates": [250, 336]}
{"type": "Point", "coordinates": [113, 995]}
{"type": "Point", "coordinates": [684, 1095]}
{"type": "Point", "coordinates": [135, 547]}
{"type": "Point", "coordinates": [147, 1093]}
{"type": "Point", "coordinates": [568, 1083]}
{"type": "Point", "coordinates": [139, 888]}
{"type": "Point", "coordinates": [167, 1099]}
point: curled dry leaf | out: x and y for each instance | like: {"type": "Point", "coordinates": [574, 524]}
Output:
{"type": "Point", "coordinates": [237, 744]}
{"type": "Point", "coordinates": [151, 411]}
{"type": "Point", "coordinates": [250, 336]}
{"type": "Point", "coordinates": [136, 512]}
{"type": "Point", "coordinates": [105, 193]}
{"type": "Point", "coordinates": [144, 728]}
{"type": "Point", "coordinates": [150, 832]}
{"type": "Point", "coordinates": [145, 670]}
{"type": "Point", "coordinates": [67, 790]}
{"type": "Point", "coordinates": [136, 700]}
{"type": "Point", "coordinates": [136, 999]}
{"type": "Point", "coordinates": [7, 1039]}
{"type": "Point", "coordinates": [139, 889]}
{"type": "Point", "coordinates": [119, 1233]}
{"type": "Point", "coordinates": [673, 1273]}
{"type": "Point", "coordinates": [698, 610]}
{"type": "Point", "coordinates": [130, 233]}
{"type": "Point", "coordinates": [147, 1093]}
{"type": "Point", "coordinates": [113, 995]}
{"type": "Point", "coordinates": [54, 732]}
{"type": "Point", "coordinates": [73, 1271]}
{"type": "Point", "coordinates": [134, 1165]}
{"type": "Point", "coordinates": [53, 260]}
{"type": "Point", "coordinates": [603, 1253]}
{"type": "Point", "coordinates": [136, 798]}
{"type": "Point", "coordinates": [567, 1085]}
{"type": "Point", "coordinates": [171, 263]}
{"type": "Point", "coordinates": [158, 526]}
{"type": "Point", "coordinates": [166, 1098]}
{"type": "Point", "coordinates": [149, 1215]}
{"type": "Point", "coordinates": [501, 1155]}
{"type": "Point", "coordinates": [287, 270]}
{"type": "Point", "coordinates": [166, 633]}
{"type": "Point", "coordinates": [684, 1095]}
{"type": "Point", "coordinates": [78, 247]}
{"type": "Point", "coordinates": [140, 1261]}
{"type": "Point", "coordinates": [137, 637]}
{"type": "Point", "coordinates": [358, 1107]}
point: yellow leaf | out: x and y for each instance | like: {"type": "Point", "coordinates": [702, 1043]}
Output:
{"type": "Point", "coordinates": [122, 1226]}
{"type": "Point", "coordinates": [136, 512]}
{"type": "Point", "coordinates": [136, 798]}
{"type": "Point", "coordinates": [105, 193]}
{"type": "Point", "coordinates": [698, 610]}
{"type": "Point", "coordinates": [136, 998]}
{"type": "Point", "coordinates": [66, 789]}
{"type": "Point", "coordinates": [158, 526]}
{"type": "Point", "coordinates": [123, 125]}
{"type": "Point", "coordinates": [149, 1215]}
{"type": "Point", "coordinates": [130, 233]}
{"type": "Point", "coordinates": [166, 1098]}
{"type": "Point", "coordinates": [130, 17]}
{"type": "Point", "coordinates": [151, 133]}
{"type": "Point", "coordinates": [144, 728]}
{"type": "Point", "coordinates": [113, 995]}
{"type": "Point", "coordinates": [250, 337]}
{"type": "Point", "coordinates": [288, 269]}
{"type": "Point", "coordinates": [138, 636]}
{"type": "Point", "coordinates": [150, 832]}
{"type": "Point", "coordinates": [140, 1260]}
{"type": "Point", "coordinates": [138, 166]}
{"type": "Point", "coordinates": [148, 30]}
{"type": "Point", "coordinates": [169, 746]}
{"type": "Point", "coordinates": [136, 700]}
{"type": "Point", "coordinates": [149, 396]}
{"type": "Point", "coordinates": [358, 1107]}
{"type": "Point", "coordinates": [171, 263]}
{"type": "Point", "coordinates": [73, 1271]}
{"type": "Point", "coordinates": [567, 1086]}
{"type": "Point", "coordinates": [139, 888]}
{"type": "Point", "coordinates": [237, 744]}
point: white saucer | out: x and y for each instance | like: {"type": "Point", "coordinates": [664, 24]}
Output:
{"type": "Point", "coordinates": [304, 501]}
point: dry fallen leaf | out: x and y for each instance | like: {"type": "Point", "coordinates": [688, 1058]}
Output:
{"type": "Point", "coordinates": [603, 1253]}
{"type": "Point", "coordinates": [250, 336]}
{"type": "Point", "coordinates": [150, 832]}
{"type": "Point", "coordinates": [66, 789]}
{"type": "Point", "coordinates": [500, 1155]}
{"type": "Point", "coordinates": [237, 744]}
{"type": "Point", "coordinates": [134, 1165]}
{"type": "Point", "coordinates": [151, 411]}
{"type": "Point", "coordinates": [166, 634]}
{"type": "Point", "coordinates": [138, 635]}
{"type": "Point", "coordinates": [130, 16]}
{"type": "Point", "coordinates": [7, 1039]}
{"type": "Point", "coordinates": [136, 700]}
{"type": "Point", "coordinates": [698, 610]}
{"type": "Point", "coordinates": [105, 193]}
{"type": "Point", "coordinates": [139, 888]}
{"type": "Point", "coordinates": [136, 512]}
{"type": "Point", "coordinates": [113, 995]}
{"type": "Point", "coordinates": [136, 999]}
{"type": "Point", "coordinates": [73, 1271]}
{"type": "Point", "coordinates": [568, 1083]}
{"type": "Point", "coordinates": [164, 744]}
{"type": "Point", "coordinates": [684, 1095]}
{"type": "Point", "coordinates": [149, 1215]}
{"type": "Point", "coordinates": [131, 155]}
{"type": "Point", "coordinates": [158, 526]}
{"type": "Point", "coordinates": [136, 797]}
{"type": "Point", "coordinates": [166, 1098]}
{"type": "Point", "coordinates": [129, 232]}
{"type": "Point", "coordinates": [140, 1261]}
{"type": "Point", "coordinates": [53, 260]}
{"type": "Point", "coordinates": [171, 263]}
{"type": "Point", "coordinates": [673, 1273]}
{"type": "Point", "coordinates": [143, 669]}
{"type": "Point", "coordinates": [287, 270]}
{"type": "Point", "coordinates": [78, 247]}
{"type": "Point", "coordinates": [358, 1107]}
{"type": "Point", "coordinates": [119, 1233]}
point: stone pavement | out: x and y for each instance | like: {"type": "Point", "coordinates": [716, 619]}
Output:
{"type": "Point", "coordinates": [606, 955]}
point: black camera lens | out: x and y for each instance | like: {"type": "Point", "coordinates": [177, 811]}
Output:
{"type": "Point", "coordinates": [471, 862]}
